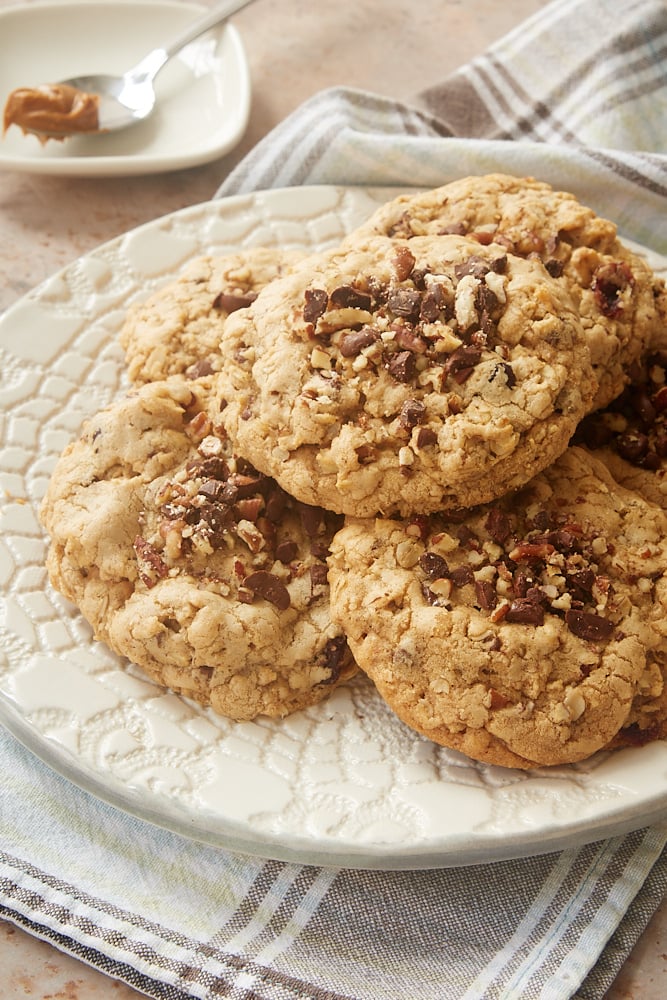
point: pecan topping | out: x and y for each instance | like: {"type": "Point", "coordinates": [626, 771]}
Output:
{"type": "Point", "coordinates": [404, 262]}
{"type": "Point", "coordinates": [151, 565]}
{"type": "Point", "coordinates": [522, 567]}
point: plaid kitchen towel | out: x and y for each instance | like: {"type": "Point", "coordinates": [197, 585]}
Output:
{"type": "Point", "coordinates": [576, 96]}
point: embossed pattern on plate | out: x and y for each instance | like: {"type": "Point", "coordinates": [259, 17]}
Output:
{"type": "Point", "coordinates": [343, 783]}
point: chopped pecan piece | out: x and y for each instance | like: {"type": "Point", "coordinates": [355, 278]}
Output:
{"type": "Point", "coordinates": [404, 262]}
{"type": "Point", "coordinates": [152, 566]}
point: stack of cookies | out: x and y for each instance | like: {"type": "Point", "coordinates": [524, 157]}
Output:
{"type": "Point", "coordinates": [434, 453]}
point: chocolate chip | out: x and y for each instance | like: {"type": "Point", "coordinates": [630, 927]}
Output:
{"type": "Point", "coordinates": [349, 297]}
{"type": "Point", "coordinates": [476, 266]}
{"type": "Point", "coordinates": [554, 267]}
{"type": "Point", "coordinates": [632, 446]}
{"type": "Point", "coordinates": [270, 587]}
{"type": "Point", "coordinates": [434, 302]}
{"type": "Point", "coordinates": [498, 525]}
{"type": "Point", "coordinates": [402, 366]}
{"type": "Point", "coordinates": [199, 369]}
{"type": "Point", "coordinates": [486, 299]}
{"type": "Point", "coordinates": [334, 656]}
{"type": "Point", "coordinates": [413, 412]}
{"type": "Point", "coordinates": [609, 282]}
{"type": "Point", "coordinates": [524, 611]}
{"type": "Point", "coordinates": [286, 551]}
{"type": "Point", "coordinates": [434, 565]}
{"type": "Point", "coordinates": [276, 502]}
{"type": "Point", "coordinates": [311, 518]}
{"type": "Point", "coordinates": [230, 302]}
{"type": "Point", "coordinates": [487, 597]}
{"type": "Point", "coordinates": [461, 362]}
{"type": "Point", "coordinates": [212, 489]}
{"type": "Point", "coordinates": [425, 437]}
{"type": "Point", "coordinates": [319, 574]}
{"type": "Point", "coordinates": [580, 584]}
{"type": "Point", "coordinates": [316, 300]}
{"type": "Point", "coordinates": [507, 370]}
{"type": "Point", "coordinates": [590, 627]}
{"type": "Point", "coordinates": [355, 341]}
{"type": "Point", "coordinates": [462, 575]}
{"type": "Point", "coordinates": [405, 302]}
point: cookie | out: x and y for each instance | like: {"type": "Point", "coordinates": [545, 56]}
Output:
{"type": "Point", "coordinates": [405, 375]}
{"type": "Point", "coordinates": [191, 564]}
{"type": "Point", "coordinates": [630, 434]}
{"type": "Point", "coordinates": [614, 287]}
{"type": "Point", "coordinates": [647, 720]}
{"type": "Point", "coordinates": [176, 330]}
{"type": "Point", "coordinates": [521, 632]}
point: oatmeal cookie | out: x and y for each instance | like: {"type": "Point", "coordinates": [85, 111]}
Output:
{"type": "Point", "coordinates": [614, 287]}
{"type": "Point", "coordinates": [647, 720]}
{"type": "Point", "coordinates": [190, 563]}
{"type": "Point", "coordinates": [630, 434]}
{"type": "Point", "coordinates": [176, 330]}
{"type": "Point", "coordinates": [405, 375]}
{"type": "Point", "coordinates": [523, 632]}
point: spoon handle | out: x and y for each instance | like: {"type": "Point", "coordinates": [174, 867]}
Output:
{"type": "Point", "coordinates": [152, 63]}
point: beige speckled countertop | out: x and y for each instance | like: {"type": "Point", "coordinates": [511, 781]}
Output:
{"type": "Point", "coordinates": [294, 47]}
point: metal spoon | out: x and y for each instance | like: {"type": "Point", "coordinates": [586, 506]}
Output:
{"type": "Point", "coordinates": [123, 100]}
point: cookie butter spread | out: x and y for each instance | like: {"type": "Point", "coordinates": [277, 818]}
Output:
{"type": "Point", "coordinates": [54, 109]}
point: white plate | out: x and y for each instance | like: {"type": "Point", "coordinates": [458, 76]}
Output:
{"type": "Point", "coordinates": [203, 94]}
{"type": "Point", "coordinates": [344, 783]}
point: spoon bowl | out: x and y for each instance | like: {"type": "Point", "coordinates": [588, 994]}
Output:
{"type": "Point", "coordinates": [123, 100]}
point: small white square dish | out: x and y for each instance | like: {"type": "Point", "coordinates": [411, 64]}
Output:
{"type": "Point", "coordinates": [203, 93]}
